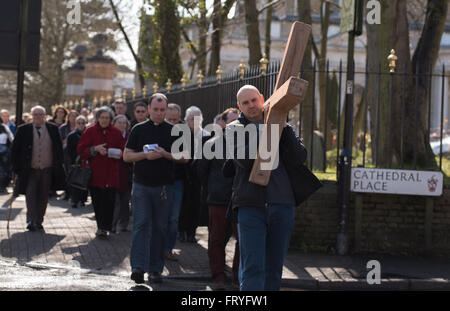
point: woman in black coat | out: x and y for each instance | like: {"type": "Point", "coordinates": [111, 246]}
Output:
{"type": "Point", "coordinates": [78, 196]}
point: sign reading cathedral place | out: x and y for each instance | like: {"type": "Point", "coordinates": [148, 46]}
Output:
{"type": "Point", "coordinates": [374, 180]}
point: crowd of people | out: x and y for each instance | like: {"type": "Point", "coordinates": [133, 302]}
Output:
{"type": "Point", "coordinates": [169, 196]}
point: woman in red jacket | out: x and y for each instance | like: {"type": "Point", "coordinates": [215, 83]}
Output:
{"type": "Point", "coordinates": [101, 147]}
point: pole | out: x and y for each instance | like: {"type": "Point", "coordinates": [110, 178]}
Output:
{"type": "Point", "coordinates": [345, 159]}
{"type": "Point", "coordinates": [23, 29]}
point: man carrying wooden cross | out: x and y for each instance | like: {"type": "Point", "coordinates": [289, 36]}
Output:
{"type": "Point", "coordinates": [265, 200]}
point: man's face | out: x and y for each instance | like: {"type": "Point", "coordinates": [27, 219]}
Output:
{"type": "Point", "coordinates": [231, 116]}
{"type": "Point", "coordinates": [157, 110]}
{"type": "Point", "coordinates": [120, 108]}
{"type": "Point", "coordinates": [173, 116]}
{"type": "Point", "coordinates": [5, 117]}
{"type": "Point", "coordinates": [38, 117]}
{"type": "Point", "coordinates": [140, 113]}
{"type": "Point", "coordinates": [251, 104]}
{"type": "Point", "coordinates": [191, 121]}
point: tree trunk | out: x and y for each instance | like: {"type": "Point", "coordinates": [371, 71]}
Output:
{"type": "Point", "coordinates": [268, 40]}
{"type": "Point", "coordinates": [170, 60]}
{"type": "Point", "coordinates": [322, 61]}
{"type": "Point", "coordinates": [203, 30]}
{"type": "Point", "coordinates": [304, 13]}
{"type": "Point", "coordinates": [252, 23]}
{"type": "Point", "coordinates": [390, 34]}
{"type": "Point", "coordinates": [424, 60]}
{"type": "Point", "coordinates": [215, 38]}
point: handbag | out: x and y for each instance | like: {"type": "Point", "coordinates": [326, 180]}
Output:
{"type": "Point", "coordinates": [79, 177]}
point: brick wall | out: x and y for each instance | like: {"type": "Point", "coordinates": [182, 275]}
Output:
{"type": "Point", "coordinates": [394, 224]}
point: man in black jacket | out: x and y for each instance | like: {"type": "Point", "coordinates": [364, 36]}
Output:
{"type": "Point", "coordinates": [37, 159]}
{"type": "Point", "coordinates": [266, 213]}
{"type": "Point", "coordinates": [218, 197]}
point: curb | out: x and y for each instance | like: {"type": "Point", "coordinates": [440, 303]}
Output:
{"type": "Point", "coordinates": [362, 285]}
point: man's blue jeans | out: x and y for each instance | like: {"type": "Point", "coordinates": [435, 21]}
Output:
{"type": "Point", "coordinates": [150, 218]}
{"type": "Point", "coordinates": [264, 235]}
{"type": "Point", "coordinates": [174, 213]}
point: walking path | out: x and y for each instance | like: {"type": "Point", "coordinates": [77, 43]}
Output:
{"type": "Point", "coordinates": [69, 241]}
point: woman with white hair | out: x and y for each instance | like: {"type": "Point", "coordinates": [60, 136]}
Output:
{"type": "Point", "coordinates": [194, 200]}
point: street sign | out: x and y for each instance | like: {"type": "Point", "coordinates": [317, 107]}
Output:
{"type": "Point", "coordinates": [347, 16]}
{"type": "Point", "coordinates": [389, 181]}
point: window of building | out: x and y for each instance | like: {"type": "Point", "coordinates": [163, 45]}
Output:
{"type": "Point", "coordinates": [275, 30]}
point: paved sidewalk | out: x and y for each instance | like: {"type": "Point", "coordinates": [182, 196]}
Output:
{"type": "Point", "coordinates": [69, 241]}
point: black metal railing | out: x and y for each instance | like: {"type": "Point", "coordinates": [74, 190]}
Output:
{"type": "Point", "coordinates": [373, 89]}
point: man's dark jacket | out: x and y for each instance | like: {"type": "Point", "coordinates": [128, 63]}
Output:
{"type": "Point", "coordinates": [22, 151]}
{"type": "Point", "coordinates": [210, 172]}
{"type": "Point", "coordinates": [292, 154]}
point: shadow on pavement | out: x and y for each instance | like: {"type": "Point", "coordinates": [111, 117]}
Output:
{"type": "Point", "coordinates": [14, 213]}
{"type": "Point", "coordinates": [102, 255]}
{"type": "Point", "coordinates": [26, 245]}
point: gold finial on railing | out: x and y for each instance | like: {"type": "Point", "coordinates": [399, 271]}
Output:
{"type": "Point", "coordinates": [102, 100]}
{"type": "Point", "coordinates": [264, 61]}
{"type": "Point", "coordinates": [124, 95]}
{"type": "Point", "coordinates": [241, 68]}
{"type": "Point", "coordinates": [144, 91]}
{"type": "Point", "coordinates": [95, 101]}
{"type": "Point", "coordinates": [169, 85]}
{"type": "Point", "coordinates": [183, 81]}
{"type": "Point", "coordinates": [155, 87]}
{"type": "Point", "coordinates": [82, 102]}
{"type": "Point", "coordinates": [133, 93]}
{"type": "Point", "coordinates": [392, 58]}
{"type": "Point", "coordinates": [219, 73]}
{"type": "Point", "coordinates": [200, 77]}
{"type": "Point", "coordinates": [108, 99]}
{"type": "Point", "coordinates": [77, 104]}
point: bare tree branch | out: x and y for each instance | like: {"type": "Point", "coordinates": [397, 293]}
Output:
{"type": "Point", "coordinates": [135, 56]}
{"type": "Point", "coordinates": [269, 5]}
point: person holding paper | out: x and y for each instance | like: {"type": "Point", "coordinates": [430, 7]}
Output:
{"type": "Point", "coordinates": [152, 190]}
{"type": "Point", "coordinates": [96, 148]}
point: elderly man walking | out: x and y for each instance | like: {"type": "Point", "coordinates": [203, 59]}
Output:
{"type": "Point", "coordinates": [37, 159]}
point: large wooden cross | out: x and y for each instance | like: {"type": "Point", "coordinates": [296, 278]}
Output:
{"type": "Point", "coordinates": [289, 92]}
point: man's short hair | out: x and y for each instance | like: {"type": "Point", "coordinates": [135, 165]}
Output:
{"type": "Point", "coordinates": [173, 106]}
{"type": "Point", "coordinates": [224, 114]}
{"type": "Point", "coordinates": [140, 104]}
{"type": "Point", "coordinates": [159, 97]}
{"type": "Point", "coordinates": [119, 102]}
{"type": "Point", "coordinates": [246, 87]}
